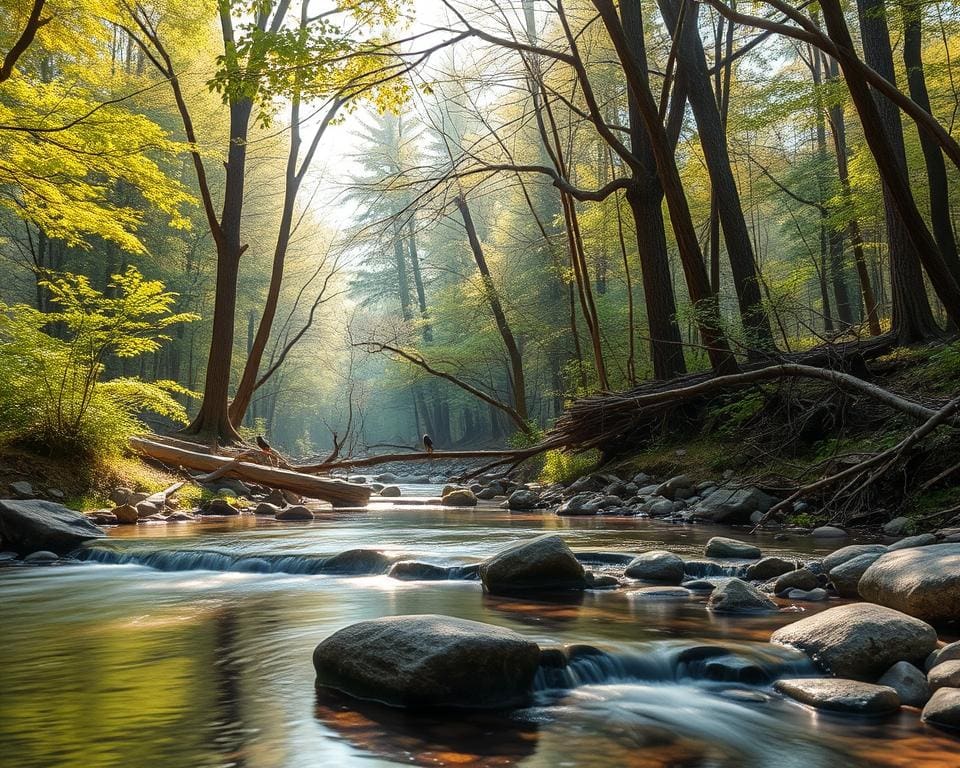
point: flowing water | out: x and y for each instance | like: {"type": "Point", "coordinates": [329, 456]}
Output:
{"type": "Point", "coordinates": [189, 645]}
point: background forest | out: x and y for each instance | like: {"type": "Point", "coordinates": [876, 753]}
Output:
{"type": "Point", "coordinates": [345, 225]}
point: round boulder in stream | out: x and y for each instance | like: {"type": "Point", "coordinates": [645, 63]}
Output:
{"type": "Point", "coordinates": [846, 696]}
{"type": "Point", "coordinates": [656, 565]}
{"type": "Point", "coordinates": [546, 563]}
{"type": "Point", "coordinates": [722, 547]}
{"type": "Point", "coordinates": [923, 582]}
{"type": "Point", "coordinates": [860, 640]}
{"type": "Point", "coordinates": [428, 661]}
{"type": "Point", "coordinates": [736, 596]}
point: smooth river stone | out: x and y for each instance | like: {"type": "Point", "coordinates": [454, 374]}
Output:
{"type": "Point", "coordinates": [847, 696]}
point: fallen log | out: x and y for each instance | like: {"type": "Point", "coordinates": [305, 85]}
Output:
{"type": "Point", "coordinates": [370, 461]}
{"type": "Point", "coordinates": [337, 492]}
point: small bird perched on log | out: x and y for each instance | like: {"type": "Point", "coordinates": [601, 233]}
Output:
{"type": "Point", "coordinates": [428, 443]}
{"type": "Point", "coordinates": [263, 445]}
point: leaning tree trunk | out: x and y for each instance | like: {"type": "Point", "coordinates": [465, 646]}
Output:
{"type": "Point", "coordinates": [517, 381]}
{"type": "Point", "coordinates": [726, 196]}
{"type": "Point", "coordinates": [912, 317]}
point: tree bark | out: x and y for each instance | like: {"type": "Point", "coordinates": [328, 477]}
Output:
{"type": "Point", "coordinates": [713, 140]}
{"type": "Point", "coordinates": [912, 317]}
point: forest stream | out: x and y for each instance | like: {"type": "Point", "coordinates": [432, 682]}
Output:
{"type": "Point", "coordinates": [190, 645]}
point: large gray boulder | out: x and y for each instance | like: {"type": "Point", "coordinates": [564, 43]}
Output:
{"type": "Point", "coordinates": [846, 576]}
{"type": "Point", "coordinates": [846, 696]}
{"type": "Point", "coordinates": [728, 505]}
{"type": "Point", "coordinates": [428, 661]}
{"type": "Point", "coordinates": [30, 525]}
{"type": "Point", "coordinates": [722, 547]}
{"type": "Point", "coordinates": [923, 582]}
{"type": "Point", "coordinates": [657, 565]}
{"type": "Point", "coordinates": [544, 563]}
{"type": "Point", "coordinates": [842, 555]}
{"type": "Point", "coordinates": [943, 709]}
{"type": "Point", "coordinates": [860, 640]}
{"type": "Point", "coordinates": [736, 596]}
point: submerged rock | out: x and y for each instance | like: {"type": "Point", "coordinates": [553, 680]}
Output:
{"type": "Point", "coordinates": [544, 563]}
{"type": "Point", "coordinates": [860, 641]}
{"type": "Point", "coordinates": [660, 593]}
{"type": "Point", "coordinates": [943, 709]}
{"type": "Point", "coordinates": [923, 582]}
{"type": "Point", "coordinates": [848, 696]}
{"type": "Point", "coordinates": [909, 683]}
{"type": "Point", "coordinates": [722, 547]}
{"type": "Point", "coordinates": [428, 661]}
{"type": "Point", "coordinates": [30, 525]}
{"type": "Point", "coordinates": [657, 565]}
{"type": "Point", "coordinates": [736, 596]}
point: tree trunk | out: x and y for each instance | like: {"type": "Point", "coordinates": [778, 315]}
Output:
{"type": "Point", "coordinates": [517, 382]}
{"type": "Point", "coordinates": [838, 131]}
{"type": "Point", "coordinates": [713, 140]}
{"type": "Point", "coordinates": [698, 284]}
{"type": "Point", "coordinates": [933, 158]}
{"type": "Point", "coordinates": [418, 279]}
{"type": "Point", "coordinates": [912, 318]}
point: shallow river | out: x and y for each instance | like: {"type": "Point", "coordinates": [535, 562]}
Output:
{"type": "Point", "coordinates": [208, 664]}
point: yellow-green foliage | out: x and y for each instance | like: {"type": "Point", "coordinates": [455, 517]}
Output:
{"type": "Point", "coordinates": [53, 395]}
{"type": "Point", "coordinates": [562, 467]}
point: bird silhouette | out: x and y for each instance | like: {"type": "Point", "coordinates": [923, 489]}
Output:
{"type": "Point", "coordinates": [428, 443]}
{"type": "Point", "coordinates": [263, 445]}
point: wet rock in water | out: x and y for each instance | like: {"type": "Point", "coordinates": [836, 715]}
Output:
{"type": "Point", "coordinates": [736, 596]}
{"type": "Point", "coordinates": [294, 513]}
{"type": "Point", "coordinates": [909, 683]}
{"type": "Point", "coordinates": [429, 661]}
{"type": "Point", "coordinates": [923, 582]}
{"type": "Point", "coordinates": [801, 578]}
{"type": "Point", "coordinates": [126, 514]}
{"type": "Point", "coordinates": [414, 570]}
{"type": "Point", "coordinates": [842, 555]}
{"type": "Point", "coordinates": [944, 675]}
{"type": "Point", "coordinates": [390, 491]}
{"type": "Point", "coordinates": [943, 709]}
{"type": "Point", "coordinates": [41, 557]}
{"type": "Point", "coordinates": [658, 565]}
{"type": "Point", "coordinates": [485, 494]}
{"type": "Point", "coordinates": [386, 477]}
{"type": "Point", "coordinates": [544, 563]}
{"type": "Point", "coordinates": [660, 593]}
{"type": "Point", "coordinates": [861, 641]}
{"type": "Point", "coordinates": [730, 669]}
{"type": "Point", "coordinates": [265, 508]}
{"type": "Point", "coordinates": [22, 489]}
{"type": "Point", "coordinates": [220, 507]}
{"type": "Point", "coordinates": [359, 479]}
{"type": "Point", "coordinates": [733, 505]}
{"type": "Point", "coordinates": [30, 525]}
{"type": "Point", "coordinates": [181, 517]}
{"type": "Point", "coordinates": [461, 497]}
{"type": "Point", "coordinates": [770, 567]}
{"type": "Point", "coordinates": [949, 652]}
{"type": "Point", "coordinates": [601, 581]}
{"type": "Point", "coordinates": [376, 487]}
{"type": "Point", "coordinates": [816, 595]}
{"type": "Point", "coordinates": [581, 504]}
{"type": "Point", "coordinates": [670, 488]}
{"type": "Point", "coordinates": [847, 696]}
{"type": "Point", "coordinates": [846, 576]}
{"type": "Point", "coordinates": [699, 585]}
{"type": "Point", "coordinates": [896, 527]}
{"type": "Point", "coordinates": [921, 540]}
{"type": "Point", "coordinates": [722, 547]}
{"type": "Point", "coordinates": [102, 517]}
{"type": "Point", "coordinates": [357, 562]}
{"type": "Point", "coordinates": [828, 532]}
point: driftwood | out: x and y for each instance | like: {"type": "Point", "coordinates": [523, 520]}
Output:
{"type": "Point", "coordinates": [337, 492]}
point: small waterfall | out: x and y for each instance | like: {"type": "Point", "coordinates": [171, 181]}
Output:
{"type": "Point", "coordinates": [575, 666]}
{"type": "Point", "coordinates": [700, 569]}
